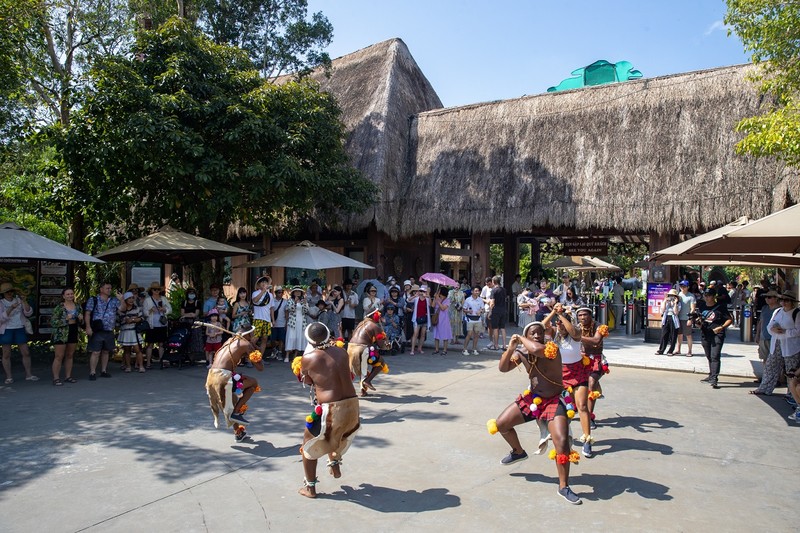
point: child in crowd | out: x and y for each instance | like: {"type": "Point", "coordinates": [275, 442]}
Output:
{"type": "Point", "coordinates": [213, 337]}
{"type": "Point", "coordinates": [222, 310]}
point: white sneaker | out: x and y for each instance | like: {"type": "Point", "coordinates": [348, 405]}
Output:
{"type": "Point", "coordinates": [794, 416]}
{"type": "Point", "coordinates": [465, 352]}
{"type": "Point", "coordinates": [475, 352]}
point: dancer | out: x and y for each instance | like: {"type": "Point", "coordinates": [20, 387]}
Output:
{"type": "Point", "coordinates": [592, 337]}
{"type": "Point", "coordinates": [546, 400]}
{"type": "Point", "coordinates": [363, 350]}
{"type": "Point", "coordinates": [334, 420]}
{"type": "Point", "coordinates": [228, 391]}
{"type": "Point", "coordinates": [576, 370]}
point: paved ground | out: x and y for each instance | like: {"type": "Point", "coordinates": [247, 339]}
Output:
{"type": "Point", "coordinates": [139, 452]}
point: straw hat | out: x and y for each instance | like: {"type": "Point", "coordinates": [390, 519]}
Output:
{"type": "Point", "coordinates": [415, 287]}
{"type": "Point", "coordinates": [153, 286]}
{"type": "Point", "coordinates": [133, 287]}
{"type": "Point", "coordinates": [7, 287]}
{"type": "Point", "coordinates": [672, 292]}
{"type": "Point", "coordinates": [788, 295]}
{"type": "Point", "coordinates": [771, 293]}
{"type": "Point", "coordinates": [298, 288]}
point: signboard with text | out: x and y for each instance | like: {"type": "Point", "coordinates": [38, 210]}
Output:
{"type": "Point", "coordinates": [656, 294]}
{"type": "Point", "coordinates": [578, 246]}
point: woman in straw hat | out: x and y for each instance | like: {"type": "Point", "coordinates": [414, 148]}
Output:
{"type": "Point", "coordinates": [296, 322]}
{"type": "Point", "coordinates": [12, 330]}
{"type": "Point", "coordinates": [669, 322]}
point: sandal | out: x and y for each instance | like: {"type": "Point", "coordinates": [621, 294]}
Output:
{"type": "Point", "coordinates": [57, 382]}
{"type": "Point", "coordinates": [9, 381]}
{"type": "Point", "coordinates": [70, 380]}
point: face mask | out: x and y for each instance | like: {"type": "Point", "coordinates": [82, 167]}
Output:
{"type": "Point", "coordinates": [191, 296]}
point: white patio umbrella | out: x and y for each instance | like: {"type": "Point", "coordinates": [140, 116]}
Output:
{"type": "Point", "coordinates": [306, 255]}
{"type": "Point", "coordinates": [17, 242]}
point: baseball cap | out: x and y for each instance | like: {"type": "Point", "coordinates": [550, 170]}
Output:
{"type": "Point", "coordinates": [684, 283]}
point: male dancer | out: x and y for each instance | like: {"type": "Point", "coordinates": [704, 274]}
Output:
{"type": "Point", "coordinates": [363, 350]}
{"type": "Point", "coordinates": [331, 426]}
{"type": "Point", "coordinates": [543, 401]}
{"type": "Point", "coordinates": [592, 344]}
{"type": "Point", "coordinates": [223, 383]}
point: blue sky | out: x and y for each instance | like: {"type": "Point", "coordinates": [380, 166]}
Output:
{"type": "Point", "coordinates": [477, 51]}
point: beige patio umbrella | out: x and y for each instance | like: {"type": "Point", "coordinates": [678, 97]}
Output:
{"type": "Point", "coordinates": [573, 262]}
{"type": "Point", "coordinates": [306, 255]}
{"type": "Point", "coordinates": [683, 247]}
{"type": "Point", "coordinates": [169, 245]}
{"type": "Point", "coordinates": [17, 242]}
{"type": "Point", "coordinates": [778, 233]}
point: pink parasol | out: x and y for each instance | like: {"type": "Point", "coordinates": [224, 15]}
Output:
{"type": "Point", "coordinates": [441, 279]}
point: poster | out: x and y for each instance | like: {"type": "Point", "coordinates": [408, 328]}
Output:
{"type": "Point", "coordinates": [144, 274]}
{"type": "Point", "coordinates": [656, 294]}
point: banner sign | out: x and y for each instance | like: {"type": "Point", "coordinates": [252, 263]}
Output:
{"type": "Point", "coordinates": [656, 294]}
{"type": "Point", "coordinates": [578, 246]}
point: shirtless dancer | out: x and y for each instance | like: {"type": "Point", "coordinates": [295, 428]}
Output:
{"type": "Point", "coordinates": [334, 420]}
{"type": "Point", "coordinates": [592, 342]}
{"type": "Point", "coordinates": [365, 343]}
{"type": "Point", "coordinates": [545, 400]}
{"type": "Point", "coordinates": [223, 386]}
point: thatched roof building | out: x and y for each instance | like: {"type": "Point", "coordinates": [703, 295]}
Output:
{"type": "Point", "coordinates": [379, 89]}
{"type": "Point", "coordinates": [653, 155]}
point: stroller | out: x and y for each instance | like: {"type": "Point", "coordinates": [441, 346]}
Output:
{"type": "Point", "coordinates": [177, 351]}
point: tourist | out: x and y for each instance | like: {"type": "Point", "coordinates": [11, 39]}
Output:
{"type": "Point", "coordinates": [420, 316]}
{"type": "Point", "coordinates": [442, 331]}
{"type": "Point", "coordinates": [130, 315]}
{"type": "Point", "coordinates": [498, 314]}
{"type": "Point", "coordinates": [296, 321]}
{"type": "Point", "coordinates": [784, 352]}
{"type": "Point", "coordinates": [348, 312]}
{"type": "Point", "coordinates": [100, 317]}
{"type": "Point", "coordinates": [261, 300]}
{"type": "Point", "coordinates": [714, 320]}
{"type": "Point", "coordinates": [473, 311]}
{"type": "Point", "coordinates": [242, 311]}
{"type": "Point", "coordinates": [67, 317]}
{"type": "Point", "coordinates": [686, 310]}
{"type": "Point", "coordinates": [156, 309]}
{"type": "Point", "coordinates": [669, 322]}
{"type": "Point", "coordinates": [763, 336]}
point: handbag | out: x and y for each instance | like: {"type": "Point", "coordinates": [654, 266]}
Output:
{"type": "Point", "coordinates": [434, 316]}
{"type": "Point", "coordinates": [142, 326]}
{"type": "Point", "coordinates": [162, 320]}
{"type": "Point", "coordinates": [28, 326]}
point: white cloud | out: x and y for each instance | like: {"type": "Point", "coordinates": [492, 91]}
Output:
{"type": "Point", "coordinates": [717, 25]}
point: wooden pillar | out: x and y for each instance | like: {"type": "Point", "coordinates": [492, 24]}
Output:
{"type": "Point", "coordinates": [536, 258]}
{"type": "Point", "coordinates": [376, 252]}
{"type": "Point", "coordinates": [659, 241]}
{"type": "Point", "coordinates": [510, 260]}
{"type": "Point", "coordinates": [480, 258]}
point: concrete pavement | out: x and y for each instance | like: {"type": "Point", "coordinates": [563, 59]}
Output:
{"type": "Point", "coordinates": [139, 452]}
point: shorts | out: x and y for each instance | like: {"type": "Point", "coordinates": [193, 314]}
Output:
{"type": "Point", "coordinates": [14, 336]}
{"type": "Point", "coordinates": [101, 341]}
{"type": "Point", "coordinates": [156, 335]}
{"type": "Point", "coordinates": [476, 326]}
{"type": "Point", "coordinates": [213, 346]}
{"type": "Point", "coordinates": [72, 335]}
{"type": "Point", "coordinates": [686, 328]}
{"type": "Point", "coordinates": [576, 374]}
{"type": "Point", "coordinates": [547, 410]}
{"type": "Point", "coordinates": [498, 320]}
{"type": "Point", "coordinates": [348, 324]}
{"type": "Point", "coordinates": [263, 328]}
{"type": "Point", "coordinates": [278, 334]}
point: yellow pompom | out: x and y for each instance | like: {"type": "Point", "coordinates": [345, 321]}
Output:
{"type": "Point", "coordinates": [491, 425]}
{"type": "Point", "coordinates": [569, 389]}
{"type": "Point", "coordinates": [340, 344]}
{"type": "Point", "coordinates": [526, 392]}
{"type": "Point", "coordinates": [297, 365]}
{"type": "Point", "coordinates": [586, 361]}
{"type": "Point", "coordinates": [594, 395]}
{"type": "Point", "coordinates": [385, 368]}
{"type": "Point", "coordinates": [537, 401]}
{"type": "Point", "coordinates": [255, 357]}
{"type": "Point", "coordinates": [570, 414]}
{"type": "Point", "coordinates": [574, 457]}
{"type": "Point", "coordinates": [309, 419]}
{"type": "Point", "coordinates": [552, 454]}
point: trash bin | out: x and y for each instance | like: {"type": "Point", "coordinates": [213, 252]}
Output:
{"type": "Point", "coordinates": [630, 318]}
{"type": "Point", "coordinates": [603, 314]}
{"type": "Point", "coordinates": [746, 330]}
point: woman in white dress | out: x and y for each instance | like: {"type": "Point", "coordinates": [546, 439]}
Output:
{"type": "Point", "coordinates": [296, 322]}
{"type": "Point", "coordinates": [130, 314]}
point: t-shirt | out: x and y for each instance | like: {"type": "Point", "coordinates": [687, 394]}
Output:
{"type": "Point", "coordinates": [472, 307]}
{"type": "Point", "coordinates": [499, 296]}
{"type": "Point", "coordinates": [766, 316]}
{"type": "Point", "coordinates": [350, 298]}
{"type": "Point", "coordinates": [261, 306]}
{"type": "Point", "coordinates": [279, 311]}
{"type": "Point", "coordinates": [687, 300]}
{"type": "Point", "coordinates": [714, 315]}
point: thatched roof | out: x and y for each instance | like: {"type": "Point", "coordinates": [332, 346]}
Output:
{"type": "Point", "coordinates": [379, 89]}
{"type": "Point", "coordinates": [648, 155]}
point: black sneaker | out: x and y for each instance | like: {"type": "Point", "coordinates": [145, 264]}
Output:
{"type": "Point", "coordinates": [92, 377]}
{"type": "Point", "coordinates": [512, 458]}
{"type": "Point", "coordinates": [570, 496]}
{"type": "Point", "coordinates": [239, 418]}
{"type": "Point", "coordinates": [714, 384]}
{"type": "Point", "coordinates": [592, 425]}
{"type": "Point", "coordinates": [241, 437]}
{"type": "Point", "coordinates": [706, 379]}
{"type": "Point", "coordinates": [105, 375]}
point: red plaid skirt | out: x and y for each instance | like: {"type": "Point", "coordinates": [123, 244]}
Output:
{"type": "Point", "coordinates": [576, 374]}
{"type": "Point", "coordinates": [547, 410]}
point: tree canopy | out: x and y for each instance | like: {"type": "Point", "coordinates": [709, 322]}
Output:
{"type": "Point", "coordinates": [770, 30]}
{"type": "Point", "coordinates": [186, 132]}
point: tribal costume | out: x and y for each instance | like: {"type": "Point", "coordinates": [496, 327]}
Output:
{"type": "Point", "coordinates": [219, 387]}
{"type": "Point", "coordinates": [333, 429]}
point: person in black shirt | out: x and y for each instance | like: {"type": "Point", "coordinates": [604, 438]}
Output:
{"type": "Point", "coordinates": [498, 316]}
{"type": "Point", "coordinates": [714, 319]}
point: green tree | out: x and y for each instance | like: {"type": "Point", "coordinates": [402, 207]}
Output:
{"type": "Point", "coordinates": [279, 35]}
{"type": "Point", "coordinates": [185, 132]}
{"type": "Point", "coordinates": [770, 30]}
